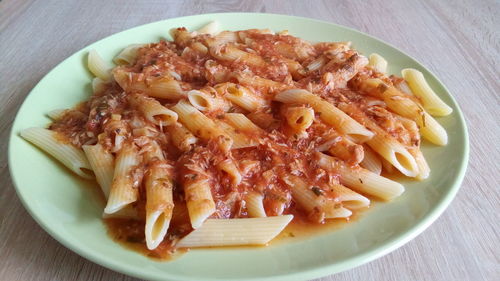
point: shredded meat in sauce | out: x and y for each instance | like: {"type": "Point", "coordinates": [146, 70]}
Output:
{"type": "Point", "coordinates": [109, 119]}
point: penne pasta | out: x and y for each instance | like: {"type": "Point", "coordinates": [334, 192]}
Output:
{"type": "Point", "coordinates": [329, 113]}
{"type": "Point", "coordinates": [371, 161]}
{"type": "Point", "coordinates": [362, 180]}
{"type": "Point", "coordinates": [423, 167]}
{"type": "Point", "coordinates": [270, 86]}
{"type": "Point", "coordinates": [98, 85]}
{"type": "Point", "coordinates": [199, 200]}
{"type": "Point", "coordinates": [349, 198]}
{"type": "Point", "coordinates": [404, 106]}
{"type": "Point", "coordinates": [103, 164]}
{"type": "Point", "coordinates": [240, 96]}
{"type": "Point", "coordinates": [200, 125]}
{"type": "Point", "coordinates": [57, 113]}
{"type": "Point", "coordinates": [211, 28]}
{"type": "Point", "coordinates": [128, 54]}
{"type": "Point", "coordinates": [98, 66]}
{"type": "Point", "coordinates": [159, 202]}
{"type": "Point", "coordinates": [377, 62]}
{"type": "Point", "coordinates": [153, 110]}
{"type": "Point", "coordinates": [216, 137]}
{"type": "Point", "coordinates": [55, 145]}
{"type": "Point", "coordinates": [310, 198]}
{"type": "Point", "coordinates": [386, 145]}
{"type": "Point", "coordinates": [299, 118]}
{"type": "Point", "coordinates": [181, 137]}
{"type": "Point", "coordinates": [123, 190]}
{"type": "Point", "coordinates": [240, 139]}
{"type": "Point", "coordinates": [204, 101]}
{"type": "Point", "coordinates": [338, 212]}
{"type": "Point", "coordinates": [234, 232]}
{"type": "Point", "coordinates": [343, 148]}
{"type": "Point", "coordinates": [228, 167]}
{"type": "Point", "coordinates": [164, 88]}
{"type": "Point", "coordinates": [242, 123]}
{"type": "Point", "coordinates": [230, 53]}
{"type": "Point", "coordinates": [255, 206]}
{"type": "Point", "coordinates": [431, 101]}
{"type": "Point", "coordinates": [128, 212]}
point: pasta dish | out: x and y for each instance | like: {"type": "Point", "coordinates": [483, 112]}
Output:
{"type": "Point", "coordinates": [222, 138]}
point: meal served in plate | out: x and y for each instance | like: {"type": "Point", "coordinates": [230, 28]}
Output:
{"type": "Point", "coordinates": [224, 138]}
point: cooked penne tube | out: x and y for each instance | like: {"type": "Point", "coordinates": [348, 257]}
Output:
{"type": "Point", "coordinates": [199, 200]}
{"type": "Point", "coordinates": [386, 145]}
{"type": "Point", "coordinates": [329, 113]}
{"type": "Point", "coordinates": [210, 28]}
{"type": "Point", "coordinates": [349, 198]}
{"type": "Point", "coordinates": [57, 113]}
{"type": "Point", "coordinates": [270, 86]}
{"type": "Point", "coordinates": [343, 148]}
{"type": "Point", "coordinates": [181, 137]}
{"type": "Point", "coordinates": [98, 85]}
{"type": "Point", "coordinates": [228, 167]}
{"type": "Point", "coordinates": [404, 106]}
{"type": "Point", "coordinates": [128, 54]}
{"type": "Point", "coordinates": [387, 166]}
{"type": "Point", "coordinates": [127, 212]}
{"type": "Point", "coordinates": [98, 66]}
{"type": "Point", "coordinates": [123, 190]}
{"type": "Point", "coordinates": [377, 62]}
{"type": "Point", "coordinates": [229, 52]}
{"type": "Point", "coordinates": [204, 101]}
{"type": "Point", "coordinates": [338, 212]}
{"type": "Point", "coordinates": [299, 118]}
{"type": "Point", "coordinates": [424, 169]}
{"type": "Point", "coordinates": [371, 161]}
{"type": "Point", "coordinates": [239, 138]}
{"type": "Point", "coordinates": [311, 198]}
{"type": "Point", "coordinates": [242, 123]}
{"type": "Point", "coordinates": [181, 36]}
{"type": "Point", "coordinates": [226, 37]}
{"type": "Point", "coordinates": [316, 64]}
{"type": "Point", "coordinates": [117, 130]}
{"type": "Point", "coordinates": [199, 124]}
{"type": "Point", "coordinates": [233, 232]}
{"type": "Point", "coordinates": [430, 100]}
{"type": "Point", "coordinates": [362, 180]}
{"type": "Point", "coordinates": [153, 110]}
{"type": "Point", "coordinates": [159, 202]}
{"type": "Point", "coordinates": [254, 204]}
{"type": "Point", "coordinates": [103, 164]}
{"type": "Point", "coordinates": [164, 88]}
{"type": "Point", "coordinates": [54, 144]}
{"type": "Point", "coordinates": [241, 96]}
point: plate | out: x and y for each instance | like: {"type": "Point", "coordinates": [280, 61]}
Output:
{"type": "Point", "coordinates": [66, 207]}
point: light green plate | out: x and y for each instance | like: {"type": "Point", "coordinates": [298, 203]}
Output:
{"type": "Point", "coordinates": [66, 207]}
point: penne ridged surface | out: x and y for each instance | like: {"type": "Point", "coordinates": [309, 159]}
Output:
{"type": "Point", "coordinates": [430, 100]}
{"type": "Point", "coordinates": [234, 232]}
{"type": "Point", "coordinates": [329, 113]}
{"type": "Point", "coordinates": [123, 190]}
{"type": "Point", "coordinates": [362, 180]}
{"type": "Point", "coordinates": [52, 143]}
{"type": "Point", "coordinates": [98, 66]}
{"type": "Point", "coordinates": [103, 165]}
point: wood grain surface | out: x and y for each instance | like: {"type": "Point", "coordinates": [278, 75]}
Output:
{"type": "Point", "coordinates": [457, 40]}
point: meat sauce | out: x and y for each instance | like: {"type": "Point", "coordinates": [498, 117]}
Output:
{"type": "Point", "coordinates": [279, 151]}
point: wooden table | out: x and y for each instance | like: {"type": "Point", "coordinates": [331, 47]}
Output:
{"type": "Point", "coordinates": [459, 42]}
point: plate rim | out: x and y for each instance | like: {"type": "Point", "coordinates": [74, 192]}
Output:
{"type": "Point", "coordinates": [312, 272]}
